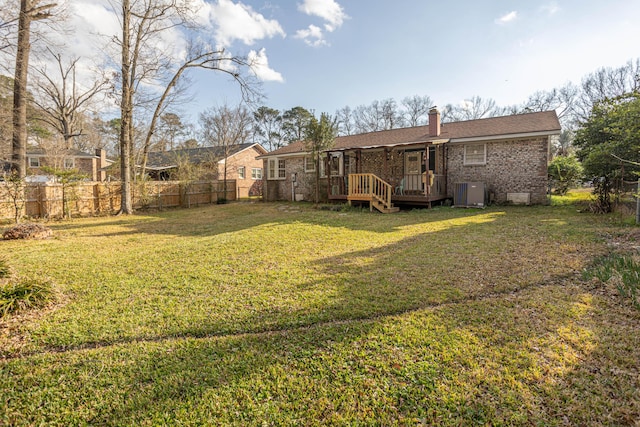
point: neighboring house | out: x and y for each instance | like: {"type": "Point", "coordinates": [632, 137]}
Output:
{"type": "Point", "coordinates": [504, 158]}
{"type": "Point", "coordinates": [209, 163]}
{"type": "Point", "coordinates": [93, 166]}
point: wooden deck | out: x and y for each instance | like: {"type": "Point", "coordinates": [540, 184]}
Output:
{"type": "Point", "coordinates": [355, 190]}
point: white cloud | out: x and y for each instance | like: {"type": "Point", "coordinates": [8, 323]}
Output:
{"type": "Point", "coordinates": [328, 10]}
{"type": "Point", "coordinates": [312, 36]}
{"type": "Point", "coordinates": [551, 8]}
{"type": "Point", "coordinates": [237, 21]}
{"type": "Point", "coordinates": [507, 18]}
{"type": "Point", "coordinates": [260, 66]}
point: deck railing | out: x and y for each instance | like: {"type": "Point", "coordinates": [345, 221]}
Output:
{"type": "Point", "coordinates": [365, 186]}
{"type": "Point", "coordinates": [414, 185]}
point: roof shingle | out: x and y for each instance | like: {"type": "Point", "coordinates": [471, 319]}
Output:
{"type": "Point", "coordinates": [540, 122]}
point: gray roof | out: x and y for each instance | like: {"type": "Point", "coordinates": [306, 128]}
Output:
{"type": "Point", "coordinates": [41, 152]}
{"type": "Point", "coordinates": [169, 159]}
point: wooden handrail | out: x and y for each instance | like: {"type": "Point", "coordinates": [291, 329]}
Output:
{"type": "Point", "coordinates": [369, 185]}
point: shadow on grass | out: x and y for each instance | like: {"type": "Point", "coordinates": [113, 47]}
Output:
{"type": "Point", "coordinates": [555, 355]}
{"type": "Point", "coordinates": [218, 219]}
{"type": "Point", "coordinates": [433, 327]}
{"type": "Point", "coordinates": [457, 260]}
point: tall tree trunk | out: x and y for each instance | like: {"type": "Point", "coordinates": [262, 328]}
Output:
{"type": "Point", "coordinates": [126, 107]}
{"type": "Point", "coordinates": [19, 157]}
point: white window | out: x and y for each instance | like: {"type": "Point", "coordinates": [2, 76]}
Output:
{"type": "Point", "coordinates": [271, 170]}
{"type": "Point", "coordinates": [69, 163]}
{"type": "Point", "coordinates": [277, 169]}
{"type": "Point", "coordinates": [256, 173]}
{"type": "Point", "coordinates": [309, 164]}
{"type": "Point", "coordinates": [34, 162]}
{"type": "Point", "coordinates": [240, 172]}
{"type": "Point", "coordinates": [475, 154]}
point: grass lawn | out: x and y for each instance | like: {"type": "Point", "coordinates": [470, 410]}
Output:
{"type": "Point", "coordinates": [280, 314]}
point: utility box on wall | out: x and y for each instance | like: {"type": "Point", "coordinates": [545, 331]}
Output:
{"type": "Point", "coordinates": [470, 194]}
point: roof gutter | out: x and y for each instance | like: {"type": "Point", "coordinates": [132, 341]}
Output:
{"type": "Point", "coordinates": [400, 144]}
{"type": "Point", "coordinates": [297, 153]}
{"type": "Point", "coordinates": [505, 136]}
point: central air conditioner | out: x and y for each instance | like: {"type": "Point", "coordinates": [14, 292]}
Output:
{"type": "Point", "coordinates": [470, 195]}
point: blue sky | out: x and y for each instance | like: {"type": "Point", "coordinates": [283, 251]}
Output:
{"type": "Point", "coordinates": [326, 54]}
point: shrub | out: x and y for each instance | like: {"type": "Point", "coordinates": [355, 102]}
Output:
{"type": "Point", "coordinates": [622, 271]}
{"type": "Point", "coordinates": [24, 294]}
{"type": "Point", "coordinates": [565, 172]}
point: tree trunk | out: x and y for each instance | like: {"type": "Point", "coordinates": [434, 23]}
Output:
{"type": "Point", "coordinates": [19, 157]}
{"type": "Point", "coordinates": [126, 113]}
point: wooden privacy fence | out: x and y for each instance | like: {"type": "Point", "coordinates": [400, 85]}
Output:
{"type": "Point", "coordinates": [46, 200]}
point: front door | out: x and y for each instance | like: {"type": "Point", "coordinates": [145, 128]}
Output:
{"type": "Point", "coordinates": [412, 170]}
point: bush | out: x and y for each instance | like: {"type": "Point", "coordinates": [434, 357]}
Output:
{"type": "Point", "coordinates": [622, 271]}
{"type": "Point", "coordinates": [24, 294]}
{"type": "Point", "coordinates": [565, 172]}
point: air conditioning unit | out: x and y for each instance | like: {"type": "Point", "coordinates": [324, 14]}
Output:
{"type": "Point", "coordinates": [470, 194]}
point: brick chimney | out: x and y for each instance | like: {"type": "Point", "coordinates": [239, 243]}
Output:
{"type": "Point", "coordinates": [434, 122]}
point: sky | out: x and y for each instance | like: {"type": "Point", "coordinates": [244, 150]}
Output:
{"type": "Point", "coordinates": [327, 54]}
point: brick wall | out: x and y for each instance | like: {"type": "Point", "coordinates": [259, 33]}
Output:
{"type": "Point", "coordinates": [280, 189]}
{"type": "Point", "coordinates": [248, 186]}
{"type": "Point", "coordinates": [86, 166]}
{"type": "Point", "coordinates": [512, 166]}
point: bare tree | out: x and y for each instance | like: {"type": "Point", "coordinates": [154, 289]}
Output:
{"type": "Point", "coordinates": [562, 100]}
{"type": "Point", "coordinates": [606, 83]}
{"type": "Point", "coordinates": [471, 109]}
{"type": "Point", "coordinates": [379, 115]}
{"type": "Point", "coordinates": [62, 101]}
{"type": "Point", "coordinates": [30, 11]}
{"type": "Point", "coordinates": [368, 118]}
{"type": "Point", "coordinates": [225, 127]}
{"type": "Point", "coordinates": [416, 109]}
{"type": "Point", "coordinates": [141, 62]}
{"type": "Point", "coordinates": [7, 24]}
{"type": "Point", "coordinates": [390, 115]}
{"type": "Point", "coordinates": [346, 125]}
{"type": "Point", "coordinates": [198, 57]}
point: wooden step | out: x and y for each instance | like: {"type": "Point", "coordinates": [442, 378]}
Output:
{"type": "Point", "coordinates": [382, 208]}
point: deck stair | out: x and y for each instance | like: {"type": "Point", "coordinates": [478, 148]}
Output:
{"type": "Point", "coordinates": [367, 187]}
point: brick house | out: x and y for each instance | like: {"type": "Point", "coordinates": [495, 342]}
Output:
{"type": "Point", "coordinates": [93, 166]}
{"type": "Point", "coordinates": [504, 157]}
{"type": "Point", "coordinates": [242, 165]}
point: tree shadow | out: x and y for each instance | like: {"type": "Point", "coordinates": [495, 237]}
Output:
{"type": "Point", "coordinates": [551, 355]}
{"type": "Point", "coordinates": [213, 220]}
{"type": "Point", "coordinates": [419, 328]}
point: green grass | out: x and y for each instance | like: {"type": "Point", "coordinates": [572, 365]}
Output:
{"type": "Point", "coordinates": [24, 294]}
{"type": "Point", "coordinates": [279, 314]}
{"type": "Point", "coordinates": [622, 270]}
